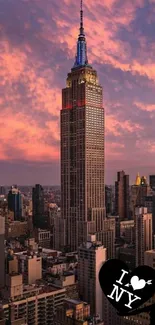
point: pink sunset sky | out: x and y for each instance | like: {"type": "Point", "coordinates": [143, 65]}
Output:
{"type": "Point", "coordinates": [37, 50]}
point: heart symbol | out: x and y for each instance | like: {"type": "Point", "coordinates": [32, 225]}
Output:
{"type": "Point", "coordinates": [120, 293]}
{"type": "Point", "coordinates": [136, 283]}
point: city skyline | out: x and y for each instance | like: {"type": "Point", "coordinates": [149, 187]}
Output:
{"type": "Point", "coordinates": [38, 49]}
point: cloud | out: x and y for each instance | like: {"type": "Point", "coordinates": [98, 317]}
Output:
{"type": "Point", "coordinates": [145, 107]}
{"type": "Point", "coordinates": [37, 50]}
{"type": "Point", "coordinates": [22, 136]}
{"type": "Point", "coordinates": [149, 144]}
{"type": "Point", "coordinates": [116, 127]}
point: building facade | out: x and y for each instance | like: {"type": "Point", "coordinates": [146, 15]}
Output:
{"type": "Point", "coordinates": [108, 200]}
{"type": "Point", "coordinates": [150, 205]}
{"type": "Point", "coordinates": [35, 305]}
{"type": "Point", "coordinates": [38, 213]}
{"type": "Point", "coordinates": [127, 231]}
{"type": "Point", "coordinates": [16, 229]}
{"type": "Point", "coordinates": [43, 237]}
{"type": "Point", "coordinates": [91, 256]}
{"type": "Point", "coordinates": [30, 266]}
{"type": "Point", "coordinates": [139, 191]}
{"type": "Point", "coordinates": [152, 182]}
{"type": "Point", "coordinates": [107, 236]}
{"type": "Point", "coordinates": [2, 253]}
{"type": "Point", "coordinates": [122, 196]}
{"type": "Point", "coordinates": [75, 312]}
{"type": "Point", "coordinates": [15, 202]}
{"type": "Point", "coordinates": [143, 233]}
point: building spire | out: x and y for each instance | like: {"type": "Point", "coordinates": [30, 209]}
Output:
{"type": "Point", "coordinates": [81, 19]}
{"type": "Point", "coordinates": [81, 55]}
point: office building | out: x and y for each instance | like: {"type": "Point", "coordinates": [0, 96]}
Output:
{"type": "Point", "coordinates": [39, 219]}
{"type": "Point", "coordinates": [2, 190]}
{"type": "Point", "coordinates": [15, 202]}
{"type": "Point", "coordinates": [127, 231]}
{"type": "Point", "coordinates": [108, 200]}
{"type": "Point", "coordinates": [107, 236]}
{"type": "Point", "coordinates": [58, 232]}
{"type": "Point", "coordinates": [43, 237]}
{"type": "Point", "coordinates": [2, 253]}
{"type": "Point", "coordinates": [82, 150]}
{"type": "Point", "coordinates": [152, 182]}
{"type": "Point", "coordinates": [150, 205]}
{"type": "Point", "coordinates": [122, 196]}
{"type": "Point", "coordinates": [139, 191]}
{"type": "Point", "coordinates": [91, 256]}
{"type": "Point", "coordinates": [143, 233]}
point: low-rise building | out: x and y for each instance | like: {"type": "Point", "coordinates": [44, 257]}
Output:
{"type": "Point", "coordinates": [36, 304]}
{"type": "Point", "coordinates": [75, 312]}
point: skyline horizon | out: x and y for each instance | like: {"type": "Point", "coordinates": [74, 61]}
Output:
{"type": "Point", "coordinates": [131, 182]}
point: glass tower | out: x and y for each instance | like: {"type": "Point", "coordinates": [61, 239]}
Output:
{"type": "Point", "coordinates": [15, 203]}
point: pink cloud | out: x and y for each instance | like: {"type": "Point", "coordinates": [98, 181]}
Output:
{"type": "Point", "coordinates": [147, 145]}
{"type": "Point", "coordinates": [114, 150]}
{"type": "Point", "coordinates": [145, 107]}
{"type": "Point", "coordinates": [23, 134]}
{"type": "Point", "coordinates": [15, 66]}
{"type": "Point", "coordinates": [115, 126]}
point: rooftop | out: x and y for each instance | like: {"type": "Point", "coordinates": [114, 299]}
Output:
{"type": "Point", "coordinates": [75, 302]}
{"type": "Point", "coordinates": [152, 251]}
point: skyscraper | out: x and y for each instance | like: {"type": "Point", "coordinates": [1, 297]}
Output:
{"type": "Point", "coordinates": [149, 203]}
{"type": "Point", "coordinates": [152, 182]}
{"type": "Point", "coordinates": [15, 202]}
{"type": "Point", "coordinates": [38, 206]}
{"type": "Point", "coordinates": [122, 195]}
{"type": "Point", "coordinates": [108, 200]}
{"type": "Point", "coordinates": [143, 233]}
{"type": "Point", "coordinates": [139, 191]}
{"type": "Point", "coordinates": [2, 253]}
{"type": "Point", "coordinates": [91, 256]}
{"type": "Point", "coordinates": [82, 149]}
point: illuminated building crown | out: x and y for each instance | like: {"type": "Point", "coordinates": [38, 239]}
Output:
{"type": "Point", "coordinates": [81, 55]}
{"type": "Point", "coordinates": [138, 180]}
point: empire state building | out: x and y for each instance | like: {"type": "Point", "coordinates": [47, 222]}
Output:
{"type": "Point", "coordinates": [82, 150]}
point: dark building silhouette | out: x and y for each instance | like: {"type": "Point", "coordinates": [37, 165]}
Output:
{"type": "Point", "coordinates": [2, 251]}
{"type": "Point", "coordinates": [122, 195]}
{"type": "Point", "coordinates": [108, 199]}
{"type": "Point", "coordinates": [15, 202]}
{"type": "Point", "coordinates": [39, 218]}
{"type": "Point", "coordinates": [2, 190]}
{"type": "Point", "coordinates": [127, 255]}
{"type": "Point", "coordinates": [82, 150]}
{"type": "Point", "coordinates": [152, 182]}
{"type": "Point", "coordinates": [150, 205]}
